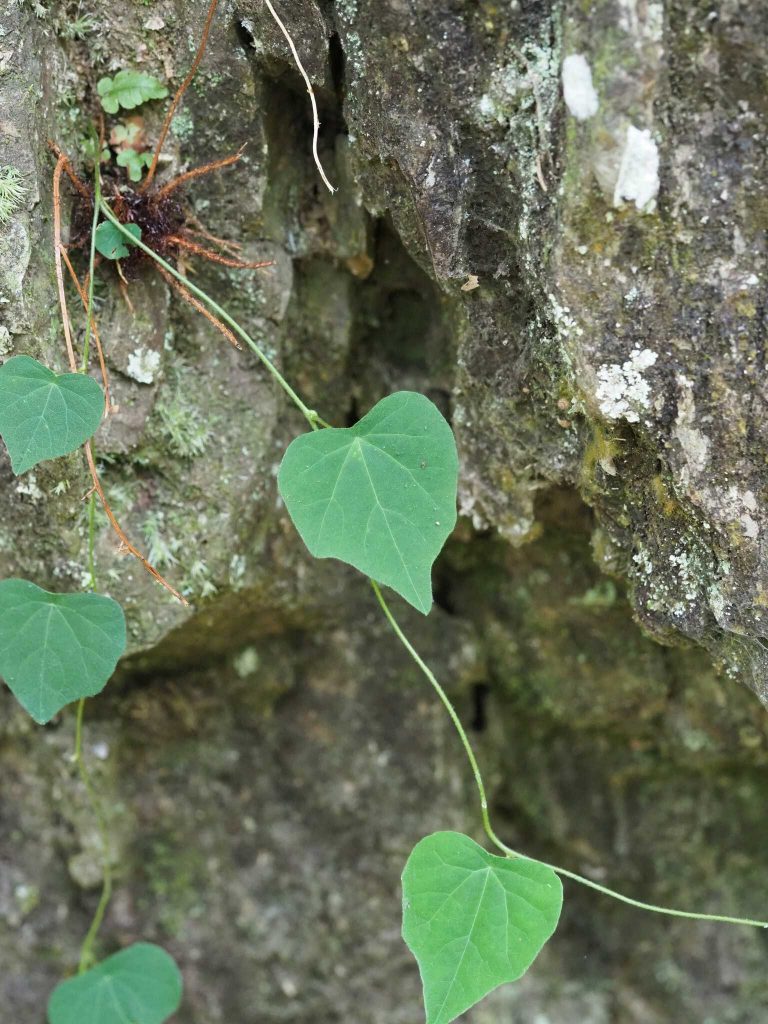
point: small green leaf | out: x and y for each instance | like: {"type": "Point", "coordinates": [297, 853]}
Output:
{"type": "Point", "coordinates": [472, 920]}
{"type": "Point", "coordinates": [135, 162]}
{"type": "Point", "coordinates": [42, 415]}
{"type": "Point", "coordinates": [139, 985]}
{"type": "Point", "coordinates": [380, 495]}
{"type": "Point", "coordinates": [56, 648]}
{"type": "Point", "coordinates": [110, 241]}
{"type": "Point", "coordinates": [129, 89]}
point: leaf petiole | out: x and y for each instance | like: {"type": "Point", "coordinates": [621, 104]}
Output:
{"type": "Point", "coordinates": [86, 950]}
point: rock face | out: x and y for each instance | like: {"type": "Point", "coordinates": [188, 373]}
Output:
{"type": "Point", "coordinates": [551, 219]}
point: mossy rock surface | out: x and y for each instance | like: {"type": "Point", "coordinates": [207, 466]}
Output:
{"type": "Point", "coordinates": [268, 756]}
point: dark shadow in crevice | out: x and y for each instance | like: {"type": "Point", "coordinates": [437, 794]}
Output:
{"type": "Point", "coordinates": [402, 338]}
{"type": "Point", "coordinates": [338, 62]}
{"type": "Point", "coordinates": [480, 695]}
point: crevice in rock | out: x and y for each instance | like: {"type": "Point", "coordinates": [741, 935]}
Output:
{"type": "Point", "coordinates": [338, 61]}
{"type": "Point", "coordinates": [480, 694]}
{"type": "Point", "coordinates": [401, 337]}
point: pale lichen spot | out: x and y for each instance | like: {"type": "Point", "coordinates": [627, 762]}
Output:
{"type": "Point", "coordinates": [638, 180]}
{"type": "Point", "coordinates": [693, 442]}
{"type": "Point", "coordinates": [143, 364]}
{"type": "Point", "coordinates": [578, 91]}
{"type": "Point", "coordinates": [622, 391]}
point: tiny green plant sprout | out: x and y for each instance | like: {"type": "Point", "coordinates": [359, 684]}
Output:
{"type": "Point", "coordinates": [380, 496]}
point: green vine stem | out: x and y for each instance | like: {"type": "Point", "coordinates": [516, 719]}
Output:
{"type": "Point", "coordinates": [309, 414]}
{"type": "Point", "coordinates": [86, 950]}
{"type": "Point", "coordinates": [508, 851]}
{"type": "Point", "coordinates": [315, 422]}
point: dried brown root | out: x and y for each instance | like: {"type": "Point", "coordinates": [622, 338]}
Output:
{"type": "Point", "coordinates": [179, 93]}
{"type": "Point", "coordinates": [82, 292]}
{"type": "Point", "coordinates": [197, 172]}
{"type": "Point", "coordinates": [81, 187]}
{"type": "Point", "coordinates": [215, 257]}
{"type": "Point", "coordinates": [59, 249]}
{"type": "Point", "coordinates": [124, 542]}
{"type": "Point", "coordinates": [190, 298]}
{"type": "Point", "coordinates": [194, 227]}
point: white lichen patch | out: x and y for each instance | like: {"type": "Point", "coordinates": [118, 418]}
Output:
{"type": "Point", "coordinates": [143, 364]}
{"type": "Point", "coordinates": [578, 90]}
{"type": "Point", "coordinates": [622, 391]}
{"type": "Point", "coordinates": [693, 442]}
{"type": "Point", "coordinates": [737, 507]}
{"type": "Point", "coordinates": [673, 585]}
{"type": "Point", "coordinates": [567, 325]}
{"type": "Point", "coordinates": [638, 180]}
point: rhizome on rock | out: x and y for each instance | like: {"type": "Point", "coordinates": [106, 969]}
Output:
{"type": "Point", "coordinates": [159, 210]}
{"type": "Point", "coordinates": [168, 227]}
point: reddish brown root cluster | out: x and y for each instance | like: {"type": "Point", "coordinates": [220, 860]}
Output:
{"type": "Point", "coordinates": [167, 227]}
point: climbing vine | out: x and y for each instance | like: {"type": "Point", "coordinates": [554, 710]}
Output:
{"type": "Point", "coordinates": [379, 496]}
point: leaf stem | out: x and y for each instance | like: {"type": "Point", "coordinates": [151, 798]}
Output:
{"type": "Point", "coordinates": [86, 950]}
{"type": "Point", "coordinates": [507, 850]}
{"type": "Point", "coordinates": [309, 414]}
{"type": "Point", "coordinates": [451, 712]}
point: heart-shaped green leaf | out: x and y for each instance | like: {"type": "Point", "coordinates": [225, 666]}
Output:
{"type": "Point", "coordinates": [110, 241]}
{"type": "Point", "coordinates": [380, 495]}
{"type": "Point", "coordinates": [56, 648]}
{"type": "Point", "coordinates": [43, 415]}
{"type": "Point", "coordinates": [140, 985]}
{"type": "Point", "coordinates": [473, 920]}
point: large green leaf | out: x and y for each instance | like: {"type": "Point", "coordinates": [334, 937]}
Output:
{"type": "Point", "coordinates": [43, 415]}
{"type": "Point", "coordinates": [129, 89]}
{"type": "Point", "coordinates": [140, 985]}
{"type": "Point", "coordinates": [473, 920]}
{"type": "Point", "coordinates": [56, 648]}
{"type": "Point", "coordinates": [380, 495]}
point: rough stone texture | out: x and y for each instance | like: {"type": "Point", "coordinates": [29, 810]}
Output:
{"type": "Point", "coordinates": [269, 757]}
